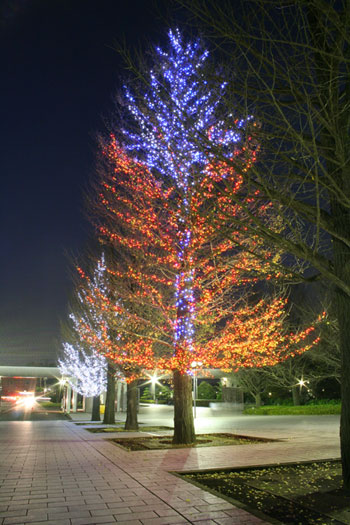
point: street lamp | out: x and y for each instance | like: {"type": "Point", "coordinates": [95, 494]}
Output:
{"type": "Point", "coordinates": [195, 365]}
{"type": "Point", "coordinates": [154, 380]}
{"type": "Point", "coordinates": [302, 382]}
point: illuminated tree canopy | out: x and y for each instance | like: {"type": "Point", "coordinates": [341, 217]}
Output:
{"type": "Point", "coordinates": [181, 283]}
{"type": "Point", "coordinates": [227, 333]}
{"type": "Point", "coordinates": [106, 326]}
{"type": "Point", "coordinates": [85, 372]}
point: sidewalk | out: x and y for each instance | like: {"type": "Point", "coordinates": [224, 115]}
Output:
{"type": "Point", "coordinates": [58, 473]}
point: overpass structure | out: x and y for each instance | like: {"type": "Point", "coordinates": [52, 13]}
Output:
{"type": "Point", "coordinates": [70, 396]}
{"type": "Point", "coordinates": [44, 372]}
{"type": "Point", "coordinates": [30, 371]}
{"type": "Point", "coordinates": [231, 393]}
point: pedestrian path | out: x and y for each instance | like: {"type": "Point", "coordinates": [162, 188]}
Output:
{"type": "Point", "coordinates": [57, 473]}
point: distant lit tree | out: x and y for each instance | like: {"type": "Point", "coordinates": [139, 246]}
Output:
{"type": "Point", "coordinates": [104, 325]}
{"type": "Point", "coordinates": [86, 373]}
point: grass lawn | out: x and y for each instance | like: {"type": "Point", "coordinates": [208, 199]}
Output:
{"type": "Point", "coordinates": [286, 410]}
{"type": "Point", "coordinates": [49, 404]}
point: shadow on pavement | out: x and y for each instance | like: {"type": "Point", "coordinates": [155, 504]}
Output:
{"type": "Point", "coordinates": [15, 414]}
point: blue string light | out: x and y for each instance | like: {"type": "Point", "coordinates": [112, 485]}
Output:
{"type": "Point", "coordinates": [176, 117]}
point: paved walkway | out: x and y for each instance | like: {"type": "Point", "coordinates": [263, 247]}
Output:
{"type": "Point", "coordinates": [57, 473]}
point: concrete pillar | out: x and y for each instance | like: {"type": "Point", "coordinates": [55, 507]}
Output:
{"type": "Point", "coordinates": [74, 401]}
{"type": "Point", "coordinates": [68, 399]}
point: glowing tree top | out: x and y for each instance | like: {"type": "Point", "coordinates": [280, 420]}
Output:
{"type": "Point", "coordinates": [85, 372]}
{"type": "Point", "coordinates": [177, 114]}
{"type": "Point", "coordinates": [176, 118]}
{"type": "Point", "coordinates": [91, 318]}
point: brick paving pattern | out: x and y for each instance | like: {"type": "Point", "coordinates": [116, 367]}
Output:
{"type": "Point", "coordinates": [58, 473]}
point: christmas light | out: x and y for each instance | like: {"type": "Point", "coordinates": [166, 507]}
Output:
{"type": "Point", "coordinates": [176, 118]}
{"type": "Point", "coordinates": [183, 287]}
{"type": "Point", "coordinates": [86, 373]}
{"type": "Point", "coordinates": [102, 322]}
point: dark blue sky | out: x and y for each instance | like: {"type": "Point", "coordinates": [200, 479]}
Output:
{"type": "Point", "coordinates": [57, 79]}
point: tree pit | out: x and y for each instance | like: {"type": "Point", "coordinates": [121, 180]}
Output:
{"type": "Point", "coordinates": [300, 494]}
{"type": "Point", "coordinates": [202, 440]}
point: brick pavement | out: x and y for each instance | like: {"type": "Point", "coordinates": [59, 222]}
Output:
{"type": "Point", "coordinates": [58, 473]}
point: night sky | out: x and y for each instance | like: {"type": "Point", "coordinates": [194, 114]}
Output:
{"type": "Point", "coordinates": [59, 72]}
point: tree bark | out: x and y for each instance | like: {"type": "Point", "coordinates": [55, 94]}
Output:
{"type": "Point", "coordinates": [184, 432]}
{"type": "Point", "coordinates": [257, 398]}
{"type": "Point", "coordinates": [342, 304]}
{"type": "Point", "coordinates": [109, 415]}
{"type": "Point", "coordinates": [343, 311]}
{"type": "Point", "coordinates": [296, 395]}
{"type": "Point", "coordinates": [336, 140]}
{"type": "Point", "coordinates": [95, 416]}
{"type": "Point", "coordinates": [131, 407]}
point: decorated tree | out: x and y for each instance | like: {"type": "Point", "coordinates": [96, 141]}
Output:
{"type": "Point", "coordinates": [258, 336]}
{"type": "Point", "coordinates": [179, 280]}
{"type": "Point", "coordinates": [228, 332]}
{"type": "Point", "coordinates": [179, 111]}
{"type": "Point", "coordinates": [86, 373]}
{"type": "Point", "coordinates": [91, 319]}
{"type": "Point", "coordinates": [105, 326]}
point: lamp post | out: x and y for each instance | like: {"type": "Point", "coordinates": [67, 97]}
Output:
{"type": "Point", "coordinates": [154, 380]}
{"type": "Point", "coordinates": [194, 366]}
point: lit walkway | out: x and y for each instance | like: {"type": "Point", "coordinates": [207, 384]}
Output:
{"type": "Point", "coordinates": [58, 473]}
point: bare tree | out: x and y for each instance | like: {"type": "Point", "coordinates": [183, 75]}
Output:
{"type": "Point", "coordinates": [327, 357]}
{"type": "Point", "coordinates": [291, 63]}
{"type": "Point", "coordinates": [253, 381]}
{"type": "Point", "coordinates": [290, 375]}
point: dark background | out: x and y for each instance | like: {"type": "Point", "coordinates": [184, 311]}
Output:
{"type": "Point", "coordinates": [59, 73]}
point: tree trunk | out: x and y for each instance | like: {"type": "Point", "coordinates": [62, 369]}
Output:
{"type": "Point", "coordinates": [341, 253]}
{"type": "Point", "coordinates": [343, 309]}
{"type": "Point", "coordinates": [109, 415]}
{"type": "Point", "coordinates": [296, 395]}
{"type": "Point", "coordinates": [131, 407]}
{"type": "Point", "coordinates": [184, 432]}
{"type": "Point", "coordinates": [257, 398]}
{"type": "Point", "coordinates": [342, 302]}
{"type": "Point", "coordinates": [95, 416]}
{"type": "Point", "coordinates": [338, 169]}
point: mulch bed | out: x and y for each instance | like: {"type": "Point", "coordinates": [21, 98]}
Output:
{"type": "Point", "coordinates": [202, 440]}
{"type": "Point", "coordinates": [299, 494]}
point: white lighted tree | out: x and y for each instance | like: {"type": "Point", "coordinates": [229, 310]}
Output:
{"type": "Point", "coordinates": [85, 372]}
